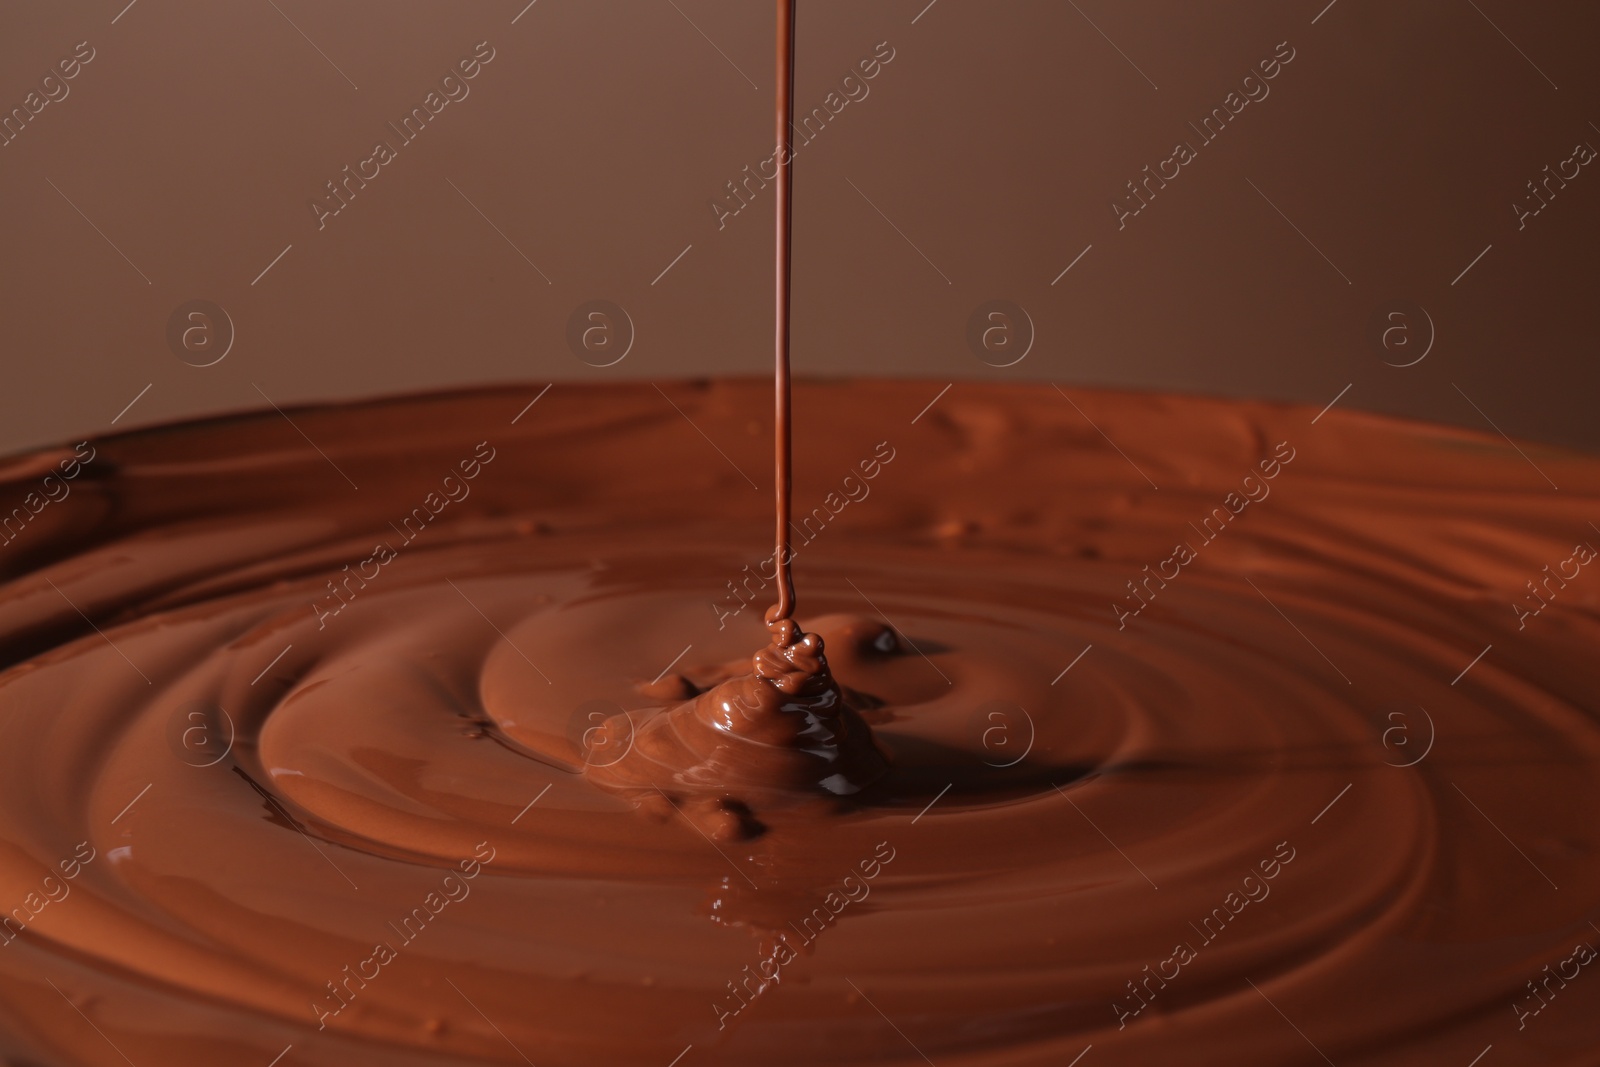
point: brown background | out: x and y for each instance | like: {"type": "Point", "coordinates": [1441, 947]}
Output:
{"type": "Point", "coordinates": [1396, 141]}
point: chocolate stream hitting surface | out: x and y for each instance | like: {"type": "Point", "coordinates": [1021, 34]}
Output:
{"type": "Point", "coordinates": [361, 755]}
{"type": "Point", "coordinates": [786, 727]}
{"type": "Point", "coordinates": [453, 768]}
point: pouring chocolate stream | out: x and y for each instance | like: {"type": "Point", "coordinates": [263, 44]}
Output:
{"type": "Point", "coordinates": [787, 727]}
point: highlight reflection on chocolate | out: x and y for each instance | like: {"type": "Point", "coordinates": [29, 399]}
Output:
{"type": "Point", "coordinates": [287, 763]}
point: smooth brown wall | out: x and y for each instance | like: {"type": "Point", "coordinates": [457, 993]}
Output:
{"type": "Point", "coordinates": [1387, 156]}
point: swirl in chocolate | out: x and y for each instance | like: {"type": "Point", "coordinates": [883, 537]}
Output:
{"type": "Point", "coordinates": [268, 799]}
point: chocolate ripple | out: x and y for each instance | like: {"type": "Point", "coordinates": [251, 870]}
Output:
{"type": "Point", "coordinates": [323, 763]}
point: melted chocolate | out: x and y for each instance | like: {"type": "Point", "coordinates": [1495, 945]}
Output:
{"type": "Point", "coordinates": [315, 755]}
{"type": "Point", "coordinates": [785, 728]}
{"type": "Point", "coordinates": [783, 261]}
